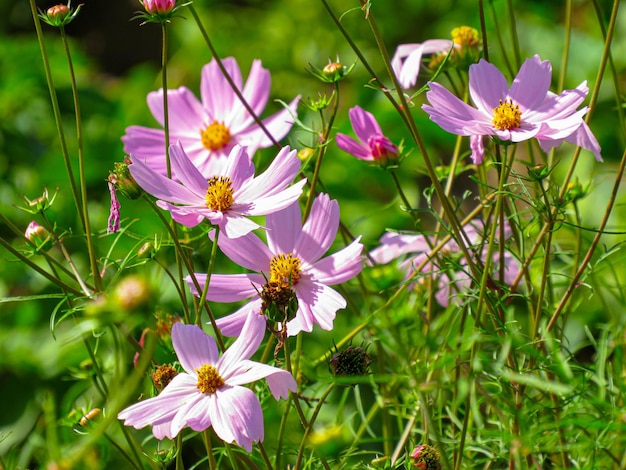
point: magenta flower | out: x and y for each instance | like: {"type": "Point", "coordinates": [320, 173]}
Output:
{"type": "Point", "coordinates": [288, 266]}
{"type": "Point", "coordinates": [450, 270]}
{"type": "Point", "coordinates": [209, 130]}
{"type": "Point", "coordinates": [523, 111]}
{"type": "Point", "coordinates": [114, 211]}
{"type": "Point", "coordinates": [209, 392]}
{"type": "Point", "coordinates": [228, 196]}
{"type": "Point", "coordinates": [158, 6]}
{"type": "Point", "coordinates": [373, 145]}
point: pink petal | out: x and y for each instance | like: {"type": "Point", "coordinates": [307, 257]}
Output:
{"type": "Point", "coordinates": [193, 347]}
{"type": "Point", "coordinates": [351, 146]}
{"type": "Point", "coordinates": [217, 95]}
{"type": "Point", "coordinates": [186, 114]}
{"type": "Point", "coordinates": [256, 93]}
{"type": "Point", "coordinates": [228, 287]}
{"type": "Point", "coordinates": [235, 226]}
{"type": "Point", "coordinates": [363, 123]}
{"type": "Point", "coordinates": [317, 304]}
{"type": "Point", "coordinates": [280, 381]}
{"type": "Point", "coordinates": [319, 230]}
{"type": "Point", "coordinates": [487, 86]}
{"type": "Point", "coordinates": [559, 106]}
{"type": "Point", "coordinates": [159, 186]}
{"type": "Point", "coordinates": [231, 325]}
{"type": "Point", "coordinates": [281, 172]}
{"type": "Point", "coordinates": [239, 168]}
{"type": "Point", "coordinates": [340, 266]}
{"type": "Point", "coordinates": [394, 245]}
{"type": "Point", "coordinates": [283, 229]}
{"type": "Point", "coordinates": [530, 86]}
{"type": "Point", "coordinates": [247, 251]}
{"type": "Point", "coordinates": [244, 347]}
{"type": "Point", "coordinates": [186, 172]}
{"type": "Point", "coordinates": [238, 416]}
{"type": "Point", "coordinates": [264, 205]}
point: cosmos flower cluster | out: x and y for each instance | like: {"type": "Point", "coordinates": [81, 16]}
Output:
{"type": "Point", "coordinates": [212, 179]}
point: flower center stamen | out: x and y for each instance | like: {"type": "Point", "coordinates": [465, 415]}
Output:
{"type": "Point", "coordinates": [219, 194]}
{"type": "Point", "coordinates": [507, 116]}
{"type": "Point", "coordinates": [209, 379]}
{"type": "Point", "coordinates": [465, 36]}
{"type": "Point", "coordinates": [285, 270]}
{"type": "Point", "coordinates": [215, 136]}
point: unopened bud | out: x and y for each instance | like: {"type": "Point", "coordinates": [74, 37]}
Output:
{"type": "Point", "coordinates": [159, 6]}
{"type": "Point", "coordinates": [131, 293]}
{"type": "Point", "coordinates": [147, 250]}
{"type": "Point", "coordinates": [38, 236]}
{"type": "Point", "coordinates": [124, 181]}
{"type": "Point", "coordinates": [60, 15]}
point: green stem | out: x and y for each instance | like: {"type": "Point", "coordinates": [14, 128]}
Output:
{"type": "Point", "coordinates": [208, 277]}
{"type": "Point", "coordinates": [206, 437]}
{"type": "Point", "coordinates": [56, 111]}
{"type": "Point", "coordinates": [322, 151]}
{"type": "Point", "coordinates": [166, 116]}
{"type": "Point", "coordinates": [309, 427]}
{"type": "Point", "coordinates": [81, 167]}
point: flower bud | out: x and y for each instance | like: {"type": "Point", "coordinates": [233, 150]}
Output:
{"type": "Point", "coordinates": [575, 191]}
{"type": "Point", "coordinates": [146, 251]}
{"type": "Point", "coordinates": [124, 181]}
{"type": "Point", "coordinates": [159, 6]}
{"type": "Point", "coordinates": [539, 172]}
{"type": "Point", "coordinates": [383, 150]}
{"type": "Point", "coordinates": [426, 457]}
{"type": "Point", "coordinates": [60, 15]}
{"type": "Point", "coordinates": [332, 72]}
{"type": "Point", "coordinates": [131, 293]}
{"type": "Point", "coordinates": [38, 236]}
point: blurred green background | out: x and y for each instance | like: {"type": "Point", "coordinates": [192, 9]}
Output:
{"type": "Point", "coordinates": [117, 63]}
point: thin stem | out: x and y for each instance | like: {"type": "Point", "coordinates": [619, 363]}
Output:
{"type": "Point", "coordinates": [309, 427]}
{"type": "Point", "coordinates": [56, 111]}
{"type": "Point", "coordinates": [229, 79]}
{"type": "Point", "coordinates": [166, 116]}
{"type": "Point", "coordinates": [322, 151]}
{"type": "Point", "coordinates": [206, 437]}
{"type": "Point", "coordinates": [205, 290]}
{"type": "Point", "coordinates": [81, 168]}
{"type": "Point", "coordinates": [586, 260]}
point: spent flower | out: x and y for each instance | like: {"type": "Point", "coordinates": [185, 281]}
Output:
{"type": "Point", "coordinates": [290, 265]}
{"type": "Point", "coordinates": [209, 391]}
{"type": "Point", "coordinates": [525, 110]}
{"type": "Point", "coordinates": [227, 197]}
{"type": "Point", "coordinates": [209, 129]}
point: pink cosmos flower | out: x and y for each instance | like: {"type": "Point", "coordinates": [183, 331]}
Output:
{"type": "Point", "coordinates": [209, 130]}
{"type": "Point", "coordinates": [373, 145]}
{"type": "Point", "coordinates": [209, 392]}
{"type": "Point", "coordinates": [288, 266]}
{"type": "Point", "coordinates": [407, 59]}
{"type": "Point", "coordinates": [450, 271]}
{"type": "Point", "coordinates": [228, 196]}
{"type": "Point", "coordinates": [520, 112]}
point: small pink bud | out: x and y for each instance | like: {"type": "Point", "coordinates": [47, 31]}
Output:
{"type": "Point", "coordinates": [38, 236]}
{"type": "Point", "coordinates": [58, 12]}
{"type": "Point", "coordinates": [159, 6]}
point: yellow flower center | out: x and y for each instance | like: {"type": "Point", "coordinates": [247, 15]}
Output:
{"type": "Point", "coordinates": [465, 36]}
{"type": "Point", "coordinates": [209, 379]}
{"type": "Point", "coordinates": [215, 136]}
{"type": "Point", "coordinates": [285, 270]}
{"type": "Point", "coordinates": [507, 116]}
{"type": "Point", "coordinates": [219, 194]}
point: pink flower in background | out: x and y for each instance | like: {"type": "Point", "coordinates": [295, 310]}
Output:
{"type": "Point", "coordinates": [372, 145]}
{"type": "Point", "coordinates": [209, 392]}
{"type": "Point", "coordinates": [525, 110]}
{"type": "Point", "coordinates": [450, 270]}
{"type": "Point", "coordinates": [229, 196]}
{"type": "Point", "coordinates": [291, 264]}
{"type": "Point", "coordinates": [407, 59]}
{"type": "Point", "coordinates": [209, 130]}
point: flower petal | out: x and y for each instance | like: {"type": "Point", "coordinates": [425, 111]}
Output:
{"type": "Point", "coordinates": [364, 124]}
{"type": "Point", "coordinates": [237, 416]}
{"type": "Point", "coordinates": [247, 251]}
{"type": "Point", "coordinates": [184, 110]}
{"type": "Point", "coordinates": [160, 186]}
{"type": "Point", "coordinates": [487, 86]}
{"type": "Point", "coordinates": [280, 381]}
{"type": "Point", "coordinates": [186, 171]}
{"type": "Point", "coordinates": [217, 95]}
{"type": "Point", "coordinates": [256, 93]}
{"type": "Point", "coordinates": [193, 347]}
{"type": "Point", "coordinates": [319, 230]}
{"type": "Point", "coordinates": [318, 304]}
{"type": "Point", "coordinates": [283, 229]}
{"type": "Point", "coordinates": [227, 287]}
{"type": "Point", "coordinates": [340, 266]}
{"type": "Point", "coordinates": [530, 86]}
{"type": "Point", "coordinates": [351, 146]}
{"type": "Point", "coordinates": [231, 325]}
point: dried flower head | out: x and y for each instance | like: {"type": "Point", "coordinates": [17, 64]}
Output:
{"type": "Point", "coordinates": [352, 361]}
